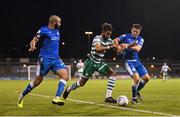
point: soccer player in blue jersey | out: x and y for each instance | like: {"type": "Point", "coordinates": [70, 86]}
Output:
{"type": "Point", "coordinates": [48, 59]}
{"type": "Point", "coordinates": [132, 44]}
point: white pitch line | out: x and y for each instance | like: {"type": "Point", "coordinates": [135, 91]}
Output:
{"type": "Point", "coordinates": [109, 106]}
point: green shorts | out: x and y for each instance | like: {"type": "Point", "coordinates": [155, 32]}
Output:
{"type": "Point", "coordinates": [90, 67]}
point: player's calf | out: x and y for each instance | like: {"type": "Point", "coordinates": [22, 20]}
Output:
{"type": "Point", "coordinates": [66, 92]}
{"type": "Point", "coordinates": [110, 87]}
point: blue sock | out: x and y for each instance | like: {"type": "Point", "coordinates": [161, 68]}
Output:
{"type": "Point", "coordinates": [142, 83]}
{"type": "Point", "coordinates": [134, 91]}
{"type": "Point", "coordinates": [61, 86]}
{"type": "Point", "coordinates": [28, 88]}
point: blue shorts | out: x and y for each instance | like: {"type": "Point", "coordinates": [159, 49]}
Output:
{"type": "Point", "coordinates": [135, 66]}
{"type": "Point", "coordinates": [46, 64]}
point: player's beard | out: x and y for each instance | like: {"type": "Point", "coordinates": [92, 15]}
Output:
{"type": "Point", "coordinates": [105, 38]}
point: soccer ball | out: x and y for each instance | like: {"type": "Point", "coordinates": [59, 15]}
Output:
{"type": "Point", "coordinates": [122, 100]}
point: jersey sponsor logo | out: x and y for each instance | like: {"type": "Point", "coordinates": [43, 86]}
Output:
{"type": "Point", "coordinates": [54, 38]}
{"type": "Point", "coordinates": [129, 40]}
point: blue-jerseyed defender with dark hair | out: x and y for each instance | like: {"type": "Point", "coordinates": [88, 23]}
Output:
{"type": "Point", "coordinates": [133, 44]}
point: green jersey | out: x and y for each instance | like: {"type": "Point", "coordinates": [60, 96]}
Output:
{"type": "Point", "coordinates": [97, 56]}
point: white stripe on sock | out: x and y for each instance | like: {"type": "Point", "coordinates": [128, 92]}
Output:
{"type": "Point", "coordinates": [63, 81]}
{"type": "Point", "coordinates": [31, 84]}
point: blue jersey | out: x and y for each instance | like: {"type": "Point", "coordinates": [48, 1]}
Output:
{"type": "Point", "coordinates": [51, 40]}
{"type": "Point", "coordinates": [130, 54]}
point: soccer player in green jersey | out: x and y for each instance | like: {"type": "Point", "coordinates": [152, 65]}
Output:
{"type": "Point", "coordinates": [100, 44]}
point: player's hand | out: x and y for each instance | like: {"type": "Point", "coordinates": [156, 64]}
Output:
{"type": "Point", "coordinates": [132, 44]}
{"type": "Point", "coordinates": [114, 46]}
{"type": "Point", "coordinates": [32, 46]}
{"type": "Point", "coordinates": [124, 46]}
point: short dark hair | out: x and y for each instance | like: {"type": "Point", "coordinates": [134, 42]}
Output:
{"type": "Point", "coordinates": [107, 27]}
{"type": "Point", "coordinates": [137, 26]}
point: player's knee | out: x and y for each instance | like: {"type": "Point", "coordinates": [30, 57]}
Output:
{"type": "Point", "coordinates": [147, 78]}
{"type": "Point", "coordinates": [65, 76]}
{"type": "Point", "coordinates": [113, 74]}
{"type": "Point", "coordinates": [81, 84]}
{"type": "Point", "coordinates": [38, 80]}
{"type": "Point", "coordinates": [136, 80]}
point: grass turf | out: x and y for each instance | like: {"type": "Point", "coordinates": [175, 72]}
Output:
{"type": "Point", "coordinates": [158, 96]}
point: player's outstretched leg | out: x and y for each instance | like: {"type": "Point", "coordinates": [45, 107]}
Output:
{"type": "Point", "coordinates": [28, 89]}
{"type": "Point", "coordinates": [74, 86]}
{"type": "Point", "coordinates": [110, 87]}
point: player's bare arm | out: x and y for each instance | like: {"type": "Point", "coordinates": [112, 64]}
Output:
{"type": "Point", "coordinates": [122, 46]}
{"type": "Point", "coordinates": [116, 41]}
{"type": "Point", "coordinates": [33, 44]}
{"type": "Point", "coordinates": [136, 48]}
{"type": "Point", "coordinates": [119, 47]}
{"type": "Point", "coordinates": [98, 47]}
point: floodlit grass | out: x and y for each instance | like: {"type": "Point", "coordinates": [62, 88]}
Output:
{"type": "Point", "coordinates": [158, 96]}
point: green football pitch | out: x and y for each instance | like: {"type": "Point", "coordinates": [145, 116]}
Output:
{"type": "Point", "coordinates": [160, 99]}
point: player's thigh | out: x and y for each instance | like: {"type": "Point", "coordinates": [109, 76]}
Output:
{"type": "Point", "coordinates": [60, 69]}
{"type": "Point", "coordinates": [111, 72]}
{"type": "Point", "coordinates": [43, 67]}
{"type": "Point", "coordinates": [146, 77]}
{"type": "Point", "coordinates": [89, 69]}
{"type": "Point", "coordinates": [38, 80]}
{"type": "Point", "coordinates": [104, 69]}
{"type": "Point", "coordinates": [62, 73]}
{"type": "Point", "coordinates": [130, 67]}
{"type": "Point", "coordinates": [142, 71]}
